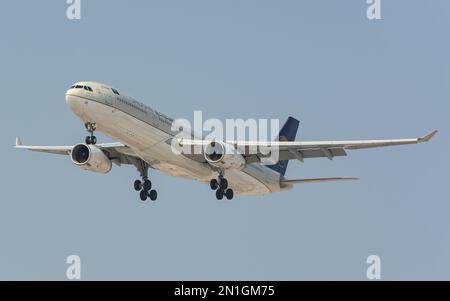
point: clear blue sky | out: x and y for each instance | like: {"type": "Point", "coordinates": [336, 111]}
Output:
{"type": "Point", "coordinates": [324, 62]}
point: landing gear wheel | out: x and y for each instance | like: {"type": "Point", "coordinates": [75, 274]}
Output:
{"type": "Point", "coordinates": [147, 185]}
{"type": "Point", "coordinates": [223, 184]}
{"type": "Point", "coordinates": [153, 195]}
{"type": "Point", "coordinates": [214, 184]}
{"type": "Point", "coordinates": [90, 127]}
{"type": "Point", "coordinates": [143, 195]}
{"type": "Point", "coordinates": [219, 194]}
{"type": "Point", "coordinates": [137, 185]}
{"type": "Point", "coordinates": [229, 194]}
{"type": "Point", "coordinates": [91, 140]}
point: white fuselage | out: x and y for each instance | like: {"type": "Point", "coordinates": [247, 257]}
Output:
{"type": "Point", "coordinates": [147, 133]}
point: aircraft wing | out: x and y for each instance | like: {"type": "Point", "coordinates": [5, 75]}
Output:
{"type": "Point", "coordinates": [301, 150]}
{"type": "Point", "coordinates": [117, 152]}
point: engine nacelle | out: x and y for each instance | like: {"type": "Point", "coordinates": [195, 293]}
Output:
{"type": "Point", "coordinates": [91, 158]}
{"type": "Point", "coordinates": [223, 155]}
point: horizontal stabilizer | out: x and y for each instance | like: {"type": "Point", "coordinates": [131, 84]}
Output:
{"type": "Point", "coordinates": [317, 180]}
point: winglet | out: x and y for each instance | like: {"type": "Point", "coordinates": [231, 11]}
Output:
{"type": "Point", "coordinates": [18, 142]}
{"type": "Point", "coordinates": [428, 137]}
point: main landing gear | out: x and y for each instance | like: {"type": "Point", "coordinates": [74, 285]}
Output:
{"type": "Point", "coordinates": [144, 186]}
{"type": "Point", "coordinates": [90, 127]}
{"type": "Point", "coordinates": [221, 188]}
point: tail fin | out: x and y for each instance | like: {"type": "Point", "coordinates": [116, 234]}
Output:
{"type": "Point", "coordinates": [287, 133]}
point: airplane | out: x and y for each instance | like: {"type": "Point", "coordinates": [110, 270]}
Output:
{"type": "Point", "coordinates": [144, 138]}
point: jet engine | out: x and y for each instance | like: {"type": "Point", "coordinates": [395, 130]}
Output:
{"type": "Point", "coordinates": [91, 158]}
{"type": "Point", "coordinates": [223, 156]}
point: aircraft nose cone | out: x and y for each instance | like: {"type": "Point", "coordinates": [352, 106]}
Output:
{"type": "Point", "coordinates": [75, 103]}
{"type": "Point", "coordinates": [69, 98]}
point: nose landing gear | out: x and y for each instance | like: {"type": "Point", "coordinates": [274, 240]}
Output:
{"type": "Point", "coordinates": [90, 127]}
{"type": "Point", "coordinates": [221, 188]}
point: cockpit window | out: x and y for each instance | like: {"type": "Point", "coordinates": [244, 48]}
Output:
{"type": "Point", "coordinates": [115, 91]}
{"type": "Point", "coordinates": [87, 88]}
